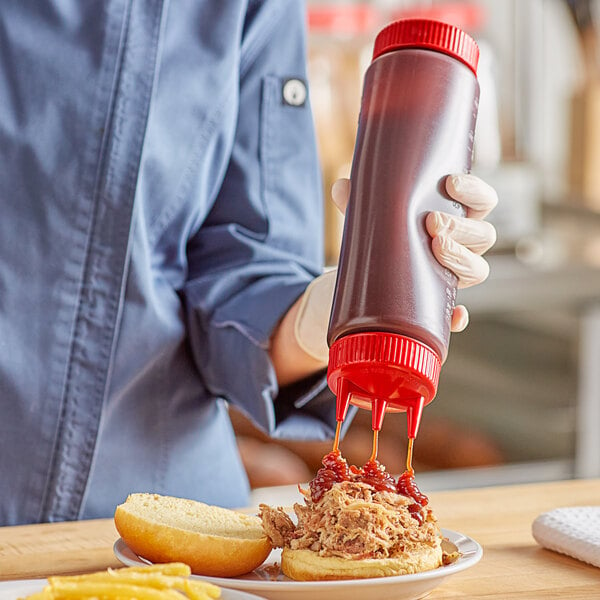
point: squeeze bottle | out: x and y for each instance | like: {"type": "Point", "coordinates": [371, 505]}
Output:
{"type": "Point", "coordinates": [389, 328]}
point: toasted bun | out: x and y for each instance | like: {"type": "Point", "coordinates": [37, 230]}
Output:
{"type": "Point", "coordinates": [211, 540]}
{"type": "Point", "coordinates": [306, 565]}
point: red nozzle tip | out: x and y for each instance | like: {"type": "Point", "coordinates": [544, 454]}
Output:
{"type": "Point", "coordinates": [377, 413]}
{"type": "Point", "coordinates": [413, 416]}
{"type": "Point", "coordinates": [342, 400]}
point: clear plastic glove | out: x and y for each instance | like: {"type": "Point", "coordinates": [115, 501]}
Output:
{"type": "Point", "coordinates": [458, 242]}
{"type": "Point", "coordinates": [312, 320]}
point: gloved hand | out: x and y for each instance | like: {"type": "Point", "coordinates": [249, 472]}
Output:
{"type": "Point", "coordinates": [458, 244]}
{"type": "Point", "coordinates": [312, 319]}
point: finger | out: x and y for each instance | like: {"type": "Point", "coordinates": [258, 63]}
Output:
{"type": "Point", "coordinates": [477, 236]}
{"type": "Point", "coordinates": [460, 319]}
{"type": "Point", "coordinates": [470, 268]}
{"type": "Point", "coordinates": [476, 195]}
{"type": "Point", "coordinates": [340, 193]}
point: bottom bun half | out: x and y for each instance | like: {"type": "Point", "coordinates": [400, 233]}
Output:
{"type": "Point", "coordinates": [306, 565]}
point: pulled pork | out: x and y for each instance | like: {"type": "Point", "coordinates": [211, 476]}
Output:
{"type": "Point", "coordinates": [352, 520]}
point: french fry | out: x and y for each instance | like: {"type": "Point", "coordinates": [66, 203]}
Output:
{"type": "Point", "coordinates": [154, 580]}
{"type": "Point", "coordinates": [168, 581]}
{"type": "Point", "coordinates": [201, 590]}
{"type": "Point", "coordinates": [43, 595]}
{"type": "Point", "coordinates": [173, 568]}
{"type": "Point", "coordinates": [113, 589]}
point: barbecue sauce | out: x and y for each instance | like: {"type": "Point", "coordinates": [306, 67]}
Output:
{"type": "Point", "coordinates": [335, 469]}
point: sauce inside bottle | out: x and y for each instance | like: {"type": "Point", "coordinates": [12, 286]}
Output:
{"type": "Point", "coordinates": [389, 328]}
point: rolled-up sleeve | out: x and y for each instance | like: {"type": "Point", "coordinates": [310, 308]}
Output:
{"type": "Point", "coordinates": [262, 242]}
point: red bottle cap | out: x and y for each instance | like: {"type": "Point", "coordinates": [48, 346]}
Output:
{"type": "Point", "coordinates": [429, 34]}
{"type": "Point", "coordinates": [383, 371]}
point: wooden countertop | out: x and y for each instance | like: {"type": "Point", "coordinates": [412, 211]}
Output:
{"type": "Point", "coordinates": [499, 518]}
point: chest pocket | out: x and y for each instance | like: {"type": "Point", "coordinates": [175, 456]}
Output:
{"type": "Point", "coordinates": [290, 177]}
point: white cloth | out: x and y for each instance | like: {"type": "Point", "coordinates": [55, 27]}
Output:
{"type": "Point", "coordinates": [574, 531]}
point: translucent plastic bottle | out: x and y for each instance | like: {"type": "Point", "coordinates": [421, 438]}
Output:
{"type": "Point", "coordinates": [390, 323]}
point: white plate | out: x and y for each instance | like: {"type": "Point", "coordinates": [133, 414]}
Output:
{"type": "Point", "coordinates": [12, 590]}
{"type": "Point", "coordinates": [400, 587]}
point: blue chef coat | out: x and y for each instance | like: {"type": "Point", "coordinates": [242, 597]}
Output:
{"type": "Point", "coordinates": [160, 211]}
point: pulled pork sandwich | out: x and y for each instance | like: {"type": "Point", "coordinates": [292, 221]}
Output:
{"type": "Point", "coordinates": [355, 523]}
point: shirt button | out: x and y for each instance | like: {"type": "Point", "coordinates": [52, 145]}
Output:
{"type": "Point", "coordinates": [294, 92]}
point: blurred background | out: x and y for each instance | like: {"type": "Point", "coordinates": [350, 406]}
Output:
{"type": "Point", "coordinates": [519, 396]}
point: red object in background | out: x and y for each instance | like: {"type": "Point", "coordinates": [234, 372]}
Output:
{"type": "Point", "coordinates": [468, 16]}
{"type": "Point", "coordinates": [390, 323]}
{"type": "Point", "coordinates": [347, 19]}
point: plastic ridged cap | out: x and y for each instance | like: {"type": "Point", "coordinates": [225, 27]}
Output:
{"type": "Point", "coordinates": [381, 371]}
{"type": "Point", "coordinates": [429, 34]}
{"type": "Point", "coordinates": [380, 348]}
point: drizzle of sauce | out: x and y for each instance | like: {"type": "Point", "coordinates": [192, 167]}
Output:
{"type": "Point", "coordinates": [416, 512]}
{"type": "Point", "coordinates": [336, 441]}
{"type": "Point", "coordinates": [409, 455]}
{"type": "Point", "coordinates": [374, 474]}
{"type": "Point", "coordinates": [335, 469]}
{"type": "Point", "coordinates": [407, 486]}
{"type": "Point", "coordinates": [375, 446]}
